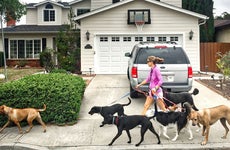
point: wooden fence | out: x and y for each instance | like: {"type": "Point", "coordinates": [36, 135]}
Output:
{"type": "Point", "coordinates": [208, 55]}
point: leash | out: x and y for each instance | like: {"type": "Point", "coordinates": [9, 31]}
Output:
{"type": "Point", "coordinates": [125, 95]}
{"type": "Point", "coordinates": [157, 96]}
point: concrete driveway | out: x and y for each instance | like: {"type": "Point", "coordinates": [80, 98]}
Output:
{"type": "Point", "coordinates": [86, 133]}
{"type": "Point", "coordinates": [105, 89]}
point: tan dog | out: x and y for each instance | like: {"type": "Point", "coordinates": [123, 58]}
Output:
{"type": "Point", "coordinates": [208, 117]}
{"type": "Point", "coordinates": [17, 115]}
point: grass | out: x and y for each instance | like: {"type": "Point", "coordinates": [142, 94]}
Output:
{"type": "Point", "coordinates": [17, 73]}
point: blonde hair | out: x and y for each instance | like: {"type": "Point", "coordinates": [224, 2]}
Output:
{"type": "Point", "coordinates": [155, 59]}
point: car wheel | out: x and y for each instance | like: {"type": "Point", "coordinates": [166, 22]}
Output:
{"type": "Point", "coordinates": [133, 93]}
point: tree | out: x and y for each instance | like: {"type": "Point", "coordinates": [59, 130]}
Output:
{"type": "Point", "coordinates": [223, 16]}
{"type": "Point", "coordinates": [10, 9]}
{"type": "Point", "coordinates": [68, 43]}
{"type": "Point", "coordinates": [204, 7]}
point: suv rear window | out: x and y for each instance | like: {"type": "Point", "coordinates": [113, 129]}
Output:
{"type": "Point", "coordinates": [169, 54]}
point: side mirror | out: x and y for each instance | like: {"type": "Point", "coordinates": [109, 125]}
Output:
{"type": "Point", "coordinates": [127, 54]}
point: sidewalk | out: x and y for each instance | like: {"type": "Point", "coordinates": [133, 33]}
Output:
{"type": "Point", "coordinates": [86, 134]}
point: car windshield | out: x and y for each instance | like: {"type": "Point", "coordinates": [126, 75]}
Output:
{"type": "Point", "coordinates": [171, 55]}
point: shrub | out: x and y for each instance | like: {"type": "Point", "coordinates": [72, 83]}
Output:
{"type": "Point", "coordinates": [46, 59]}
{"type": "Point", "coordinates": [223, 63]}
{"type": "Point", "coordinates": [62, 94]}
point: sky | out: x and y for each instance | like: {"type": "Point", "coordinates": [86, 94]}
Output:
{"type": "Point", "coordinates": [220, 6]}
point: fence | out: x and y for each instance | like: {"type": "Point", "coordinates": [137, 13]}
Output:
{"type": "Point", "coordinates": [208, 55]}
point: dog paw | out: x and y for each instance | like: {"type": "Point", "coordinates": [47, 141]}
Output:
{"type": "Point", "coordinates": [109, 144]}
{"type": "Point", "coordinates": [159, 142]}
{"type": "Point", "coordinates": [137, 144]}
{"type": "Point", "coordinates": [129, 142]}
{"type": "Point", "coordinates": [203, 143]}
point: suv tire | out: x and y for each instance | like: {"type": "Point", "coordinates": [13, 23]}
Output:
{"type": "Point", "coordinates": [133, 93]}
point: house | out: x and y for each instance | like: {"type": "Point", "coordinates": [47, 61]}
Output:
{"type": "Point", "coordinates": [109, 28]}
{"type": "Point", "coordinates": [222, 31]}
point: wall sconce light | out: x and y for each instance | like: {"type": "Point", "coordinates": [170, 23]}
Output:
{"type": "Point", "coordinates": [87, 35]}
{"type": "Point", "coordinates": [191, 35]}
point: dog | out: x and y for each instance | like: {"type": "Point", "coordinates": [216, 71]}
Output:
{"type": "Point", "coordinates": [177, 118]}
{"type": "Point", "coordinates": [129, 122]}
{"type": "Point", "coordinates": [17, 115]}
{"type": "Point", "coordinates": [176, 98]}
{"type": "Point", "coordinates": [109, 110]}
{"type": "Point", "coordinates": [208, 116]}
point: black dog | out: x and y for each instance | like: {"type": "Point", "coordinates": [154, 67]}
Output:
{"type": "Point", "coordinates": [109, 110]}
{"type": "Point", "coordinates": [176, 98]}
{"type": "Point", "coordinates": [179, 119]}
{"type": "Point", "coordinates": [129, 122]}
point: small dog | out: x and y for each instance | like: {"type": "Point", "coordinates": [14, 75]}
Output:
{"type": "Point", "coordinates": [129, 122]}
{"type": "Point", "coordinates": [208, 116]}
{"type": "Point", "coordinates": [109, 110]}
{"type": "Point", "coordinates": [177, 118]}
{"type": "Point", "coordinates": [17, 115]}
{"type": "Point", "coordinates": [182, 97]}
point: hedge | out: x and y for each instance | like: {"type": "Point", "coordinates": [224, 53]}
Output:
{"type": "Point", "coordinates": [62, 94]}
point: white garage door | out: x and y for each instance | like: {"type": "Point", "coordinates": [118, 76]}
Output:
{"type": "Point", "coordinates": [110, 52]}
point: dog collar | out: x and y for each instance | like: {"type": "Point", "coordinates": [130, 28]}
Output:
{"type": "Point", "coordinates": [115, 120]}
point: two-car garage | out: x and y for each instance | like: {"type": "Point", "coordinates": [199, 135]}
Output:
{"type": "Point", "coordinates": [110, 50]}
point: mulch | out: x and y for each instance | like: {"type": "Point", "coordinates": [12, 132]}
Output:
{"type": "Point", "coordinates": [216, 86]}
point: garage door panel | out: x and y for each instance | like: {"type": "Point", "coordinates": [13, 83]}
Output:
{"type": "Point", "coordinates": [110, 53]}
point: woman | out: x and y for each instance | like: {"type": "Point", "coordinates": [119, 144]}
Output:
{"type": "Point", "coordinates": [155, 81]}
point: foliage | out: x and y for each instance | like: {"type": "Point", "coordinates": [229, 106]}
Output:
{"type": "Point", "coordinates": [223, 63]}
{"type": "Point", "coordinates": [62, 94]}
{"type": "Point", "coordinates": [68, 43]}
{"type": "Point", "coordinates": [223, 16]}
{"type": "Point", "coordinates": [12, 9]}
{"type": "Point", "coordinates": [46, 60]}
{"type": "Point", "coordinates": [204, 7]}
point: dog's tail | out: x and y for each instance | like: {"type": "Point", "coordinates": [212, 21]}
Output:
{"type": "Point", "coordinates": [44, 108]}
{"type": "Point", "coordinates": [195, 92]}
{"type": "Point", "coordinates": [127, 103]}
{"type": "Point", "coordinates": [188, 108]}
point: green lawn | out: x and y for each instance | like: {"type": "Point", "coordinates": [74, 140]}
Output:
{"type": "Point", "coordinates": [17, 73]}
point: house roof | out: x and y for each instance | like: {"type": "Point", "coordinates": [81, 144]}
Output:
{"type": "Point", "coordinates": [221, 24]}
{"type": "Point", "coordinates": [33, 29]}
{"type": "Point", "coordinates": [59, 3]}
{"type": "Point", "coordinates": [162, 4]}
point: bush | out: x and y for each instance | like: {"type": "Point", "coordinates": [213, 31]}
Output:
{"type": "Point", "coordinates": [62, 94]}
{"type": "Point", "coordinates": [223, 63]}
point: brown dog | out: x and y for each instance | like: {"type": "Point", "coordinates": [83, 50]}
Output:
{"type": "Point", "coordinates": [208, 117]}
{"type": "Point", "coordinates": [17, 115]}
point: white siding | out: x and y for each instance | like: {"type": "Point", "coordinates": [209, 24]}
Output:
{"type": "Point", "coordinates": [95, 4]}
{"type": "Point", "coordinates": [31, 17]}
{"type": "Point", "coordinates": [177, 3]}
{"type": "Point", "coordinates": [86, 4]}
{"type": "Point", "coordinates": [163, 21]}
{"type": "Point", "coordinates": [58, 12]}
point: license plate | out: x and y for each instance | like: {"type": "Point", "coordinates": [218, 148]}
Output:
{"type": "Point", "coordinates": [168, 78]}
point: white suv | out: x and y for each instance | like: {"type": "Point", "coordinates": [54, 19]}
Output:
{"type": "Point", "coordinates": [176, 69]}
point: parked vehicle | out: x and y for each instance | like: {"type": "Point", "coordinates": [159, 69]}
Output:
{"type": "Point", "coordinates": [176, 69]}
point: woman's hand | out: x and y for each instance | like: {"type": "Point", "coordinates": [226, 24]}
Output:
{"type": "Point", "coordinates": [153, 91]}
{"type": "Point", "coordinates": [138, 85]}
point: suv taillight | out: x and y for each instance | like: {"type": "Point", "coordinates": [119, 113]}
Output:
{"type": "Point", "coordinates": [189, 72]}
{"type": "Point", "coordinates": [134, 72]}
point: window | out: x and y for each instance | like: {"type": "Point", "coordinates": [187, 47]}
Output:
{"type": "Point", "coordinates": [115, 1]}
{"type": "Point", "coordinates": [82, 11]}
{"type": "Point", "coordinates": [150, 39]}
{"type": "Point", "coordinates": [25, 48]}
{"type": "Point", "coordinates": [138, 38]}
{"type": "Point", "coordinates": [49, 13]}
{"type": "Point", "coordinates": [174, 38]}
{"type": "Point", "coordinates": [139, 15]}
{"type": "Point", "coordinates": [115, 39]}
{"type": "Point", "coordinates": [127, 39]}
{"type": "Point", "coordinates": [162, 39]}
{"type": "Point", "coordinates": [103, 39]}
